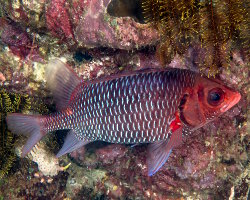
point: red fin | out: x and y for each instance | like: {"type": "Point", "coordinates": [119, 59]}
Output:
{"type": "Point", "coordinates": [29, 125]}
{"type": "Point", "coordinates": [158, 152]}
{"type": "Point", "coordinates": [62, 81]}
{"type": "Point", "coordinates": [71, 143]}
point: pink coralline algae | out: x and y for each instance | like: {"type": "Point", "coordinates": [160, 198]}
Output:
{"type": "Point", "coordinates": [97, 28]}
{"type": "Point", "coordinates": [89, 25]}
{"type": "Point", "coordinates": [86, 23]}
{"type": "Point", "coordinates": [110, 153]}
{"type": "Point", "coordinates": [78, 154]}
{"type": "Point", "coordinates": [18, 41]}
{"type": "Point", "coordinates": [58, 19]}
{"type": "Point", "coordinates": [2, 78]}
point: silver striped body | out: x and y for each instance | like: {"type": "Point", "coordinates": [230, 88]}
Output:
{"type": "Point", "coordinates": [128, 109]}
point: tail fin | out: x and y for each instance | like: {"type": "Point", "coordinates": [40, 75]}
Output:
{"type": "Point", "coordinates": [28, 125]}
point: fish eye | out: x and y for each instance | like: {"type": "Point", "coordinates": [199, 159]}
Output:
{"type": "Point", "coordinates": [215, 97]}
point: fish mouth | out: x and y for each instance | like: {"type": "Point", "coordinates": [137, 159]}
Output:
{"type": "Point", "coordinates": [232, 103]}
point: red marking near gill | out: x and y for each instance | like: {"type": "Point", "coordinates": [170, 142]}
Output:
{"type": "Point", "coordinates": [176, 124]}
{"type": "Point", "coordinates": [69, 111]}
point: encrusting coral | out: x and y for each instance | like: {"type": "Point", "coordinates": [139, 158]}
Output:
{"type": "Point", "coordinates": [215, 26]}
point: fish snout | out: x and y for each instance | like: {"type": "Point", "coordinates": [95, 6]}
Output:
{"type": "Point", "coordinates": [230, 104]}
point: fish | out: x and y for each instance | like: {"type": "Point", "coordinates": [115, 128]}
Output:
{"type": "Point", "coordinates": [154, 106]}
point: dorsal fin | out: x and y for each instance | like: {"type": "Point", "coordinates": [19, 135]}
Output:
{"type": "Point", "coordinates": [61, 81]}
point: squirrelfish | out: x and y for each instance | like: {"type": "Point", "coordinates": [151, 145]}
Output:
{"type": "Point", "coordinates": [155, 106]}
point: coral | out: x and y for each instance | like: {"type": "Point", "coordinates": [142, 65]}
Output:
{"type": "Point", "coordinates": [18, 40]}
{"type": "Point", "coordinates": [26, 12]}
{"type": "Point", "coordinates": [44, 153]}
{"type": "Point", "coordinates": [47, 162]}
{"type": "Point", "coordinates": [217, 26]}
{"type": "Point", "coordinates": [58, 19]}
{"type": "Point", "coordinates": [97, 28]}
{"type": "Point", "coordinates": [82, 179]}
{"type": "Point", "coordinates": [81, 23]}
{"type": "Point", "coordinates": [111, 153]}
{"type": "Point", "coordinates": [27, 182]}
{"type": "Point", "coordinates": [22, 76]}
{"type": "Point", "coordinates": [2, 78]}
{"type": "Point", "coordinates": [9, 103]}
{"type": "Point", "coordinates": [97, 40]}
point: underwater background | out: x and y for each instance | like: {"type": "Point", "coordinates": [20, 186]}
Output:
{"type": "Point", "coordinates": [103, 37]}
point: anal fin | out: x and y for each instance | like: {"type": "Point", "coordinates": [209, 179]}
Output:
{"type": "Point", "coordinates": [71, 143]}
{"type": "Point", "coordinates": [159, 152]}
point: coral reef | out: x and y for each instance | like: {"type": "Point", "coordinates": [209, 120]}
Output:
{"type": "Point", "coordinates": [213, 156]}
{"type": "Point", "coordinates": [217, 26]}
{"type": "Point", "coordinates": [97, 28]}
{"type": "Point", "coordinates": [58, 19]}
{"type": "Point", "coordinates": [29, 183]}
{"type": "Point", "coordinates": [18, 41]}
{"type": "Point", "coordinates": [47, 163]}
{"type": "Point", "coordinates": [9, 103]}
{"type": "Point", "coordinates": [81, 23]}
{"type": "Point", "coordinates": [111, 153]}
{"type": "Point", "coordinates": [102, 37]}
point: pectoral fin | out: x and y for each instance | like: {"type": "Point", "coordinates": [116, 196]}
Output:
{"type": "Point", "coordinates": [158, 152]}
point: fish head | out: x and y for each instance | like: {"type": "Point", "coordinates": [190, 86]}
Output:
{"type": "Point", "coordinates": [208, 99]}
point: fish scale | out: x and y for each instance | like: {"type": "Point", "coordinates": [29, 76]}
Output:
{"type": "Point", "coordinates": [129, 109]}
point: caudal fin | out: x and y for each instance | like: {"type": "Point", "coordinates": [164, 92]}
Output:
{"type": "Point", "coordinates": [28, 125]}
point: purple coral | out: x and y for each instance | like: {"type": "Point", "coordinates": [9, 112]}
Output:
{"type": "Point", "coordinates": [110, 153]}
{"type": "Point", "coordinates": [19, 41]}
{"type": "Point", "coordinates": [58, 19]}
